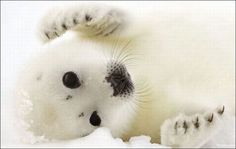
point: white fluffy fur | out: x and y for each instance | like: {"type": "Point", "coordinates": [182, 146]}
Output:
{"type": "Point", "coordinates": [176, 65]}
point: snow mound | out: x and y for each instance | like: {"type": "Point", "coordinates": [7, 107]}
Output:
{"type": "Point", "coordinates": [100, 138]}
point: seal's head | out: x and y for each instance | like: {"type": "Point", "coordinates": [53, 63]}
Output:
{"type": "Point", "coordinates": [76, 87]}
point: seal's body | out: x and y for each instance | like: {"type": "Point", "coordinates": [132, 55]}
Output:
{"type": "Point", "coordinates": [105, 68]}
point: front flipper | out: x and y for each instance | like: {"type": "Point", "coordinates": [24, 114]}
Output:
{"type": "Point", "coordinates": [91, 20]}
{"type": "Point", "coordinates": [191, 131]}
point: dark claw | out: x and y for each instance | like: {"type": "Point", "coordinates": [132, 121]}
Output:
{"type": "Point", "coordinates": [211, 118]}
{"type": "Point", "coordinates": [185, 126]}
{"type": "Point", "coordinates": [75, 21]}
{"type": "Point", "coordinates": [197, 123]}
{"type": "Point", "coordinates": [176, 123]}
{"type": "Point", "coordinates": [47, 35]}
{"type": "Point", "coordinates": [88, 18]}
{"type": "Point", "coordinates": [56, 34]}
{"type": "Point", "coordinates": [221, 111]}
{"type": "Point", "coordinates": [64, 26]}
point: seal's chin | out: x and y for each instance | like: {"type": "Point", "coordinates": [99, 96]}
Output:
{"type": "Point", "coordinates": [85, 134]}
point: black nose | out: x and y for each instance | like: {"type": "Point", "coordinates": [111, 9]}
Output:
{"type": "Point", "coordinates": [120, 80]}
{"type": "Point", "coordinates": [95, 120]}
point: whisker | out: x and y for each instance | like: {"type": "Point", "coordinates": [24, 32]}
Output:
{"type": "Point", "coordinates": [124, 51]}
{"type": "Point", "coordinates": [115, 48]}
{"type": "Point", "coordinates": [129, 59]}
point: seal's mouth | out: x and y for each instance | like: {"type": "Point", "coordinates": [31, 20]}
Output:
{"type": "Point", "coordinates": [120, 80]}
{"type": "Point", "coordinates": [85, 134]}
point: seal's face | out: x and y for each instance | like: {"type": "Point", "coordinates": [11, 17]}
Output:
{"type": "Point", "coordinates": [74, 88]}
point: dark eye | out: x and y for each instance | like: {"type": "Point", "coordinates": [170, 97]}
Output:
{"type": "Point", "coordinates": [71, 80]}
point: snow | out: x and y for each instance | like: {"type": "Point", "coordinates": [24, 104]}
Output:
{"type": "Point", "coordinates": [18, 43]}
{"type": "Point", "coordinates": [102, 138]}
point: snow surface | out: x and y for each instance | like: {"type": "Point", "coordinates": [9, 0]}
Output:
{"type": "Point", "coordinates": [101, 138]}
{"type": "Point", "coordinates": [19, 43]}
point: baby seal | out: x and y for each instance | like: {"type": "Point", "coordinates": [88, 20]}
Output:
{"type": "Point", "coordinates": [103, 67]}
